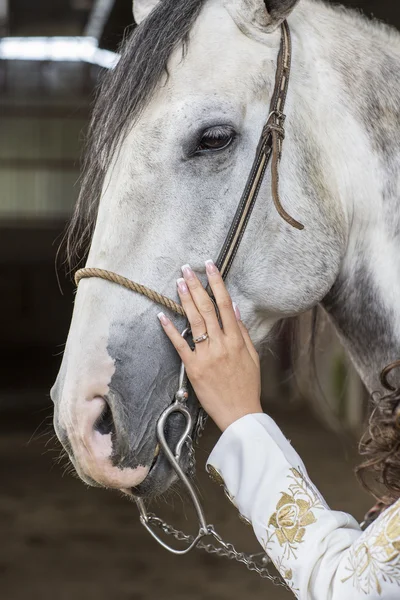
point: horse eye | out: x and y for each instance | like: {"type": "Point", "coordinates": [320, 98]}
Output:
{"type": "Point", "coordinates": [216, 138]}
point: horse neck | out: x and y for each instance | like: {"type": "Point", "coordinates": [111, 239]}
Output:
{"type": "Point", "coordinates": [353, 68]}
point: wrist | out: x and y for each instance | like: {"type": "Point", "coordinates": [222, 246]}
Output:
{"type": "Point", "coordinates": [224, 422]}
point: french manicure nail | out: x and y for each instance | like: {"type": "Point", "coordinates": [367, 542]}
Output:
{"type": "Point", "coordinates": [187, 271]}
{"type": "Point", "coordinates": [210, 267]}
{"type": "Point", "coordinates": [237, 311]}
{"type": "Point", "coordinates": [182, 287]}
{"type": "Point", "coordinates": [163, 318]}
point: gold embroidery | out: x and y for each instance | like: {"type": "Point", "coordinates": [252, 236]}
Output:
{"type": "Point", "coordinates": [214, 475]}
{"type": "Point", "coordinates": [294, 513]}
{"type": "Point", "coordinates": [376, 556]}
{"type": "Point", "coordinates": [291, 519]}
{"type": "Point", "coordinates": [288, 574]}
{"type": "Point", "coordinates": [245, 520]}
{"type": "Point", "coordinates": [288, 524]}
{"type": "Point", "coordinates": [230, 498]}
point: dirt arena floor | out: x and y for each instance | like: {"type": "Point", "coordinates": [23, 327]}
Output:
{"type": "Point", "coordinates": [61, 540]}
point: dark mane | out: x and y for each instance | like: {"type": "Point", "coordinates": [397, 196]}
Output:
{"type": "Point", "coordinates": [121, 98]}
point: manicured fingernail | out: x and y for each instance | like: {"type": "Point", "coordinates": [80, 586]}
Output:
{"type": "Point", "coordinates": [237, 311]}
{"type": "Point", "coordinates": [211, 268]}
{"type": "Point", "coordinates": [182, 287]}
{"type": "Point", "coordinates": [163, 318]}
{"type": "Point", "coordinates": [187, 272]}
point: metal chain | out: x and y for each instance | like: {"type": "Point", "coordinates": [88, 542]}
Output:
{"type": "Point", "coordinates": [192, 459]}
{"type": "Point", "coordinates": [253, 562]}
{"type": "Point", "coordinates": [200, 425]}
{"type": "Point", "coordinates": [198, 432]}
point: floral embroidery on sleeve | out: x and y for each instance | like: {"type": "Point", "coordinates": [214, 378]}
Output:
{"type": "Point", "coordinates": [375, 558]}
{"type": "Point", "coordinates": [295, 511]}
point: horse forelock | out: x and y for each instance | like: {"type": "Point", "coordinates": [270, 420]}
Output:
{"type": "Point", "coordinates": [121, 97]}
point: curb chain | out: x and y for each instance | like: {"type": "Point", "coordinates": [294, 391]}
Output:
{"type": "Point", "coordinates": [253, 562]}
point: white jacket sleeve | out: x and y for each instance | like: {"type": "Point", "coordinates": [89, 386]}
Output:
{"type": "Point", "coordinates": [322, 554]}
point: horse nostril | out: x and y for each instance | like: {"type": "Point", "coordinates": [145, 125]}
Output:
{"type": "Point", "coordinates": [105, 423]}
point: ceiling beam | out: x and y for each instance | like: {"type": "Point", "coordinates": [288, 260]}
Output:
{"type": "Point", "coordinates": [64, 49]}
{"type": "Point", "coordinates": [98, 18]}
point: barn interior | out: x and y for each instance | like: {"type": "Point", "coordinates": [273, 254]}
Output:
{"type": "Point", "coordinates": [60, 538]}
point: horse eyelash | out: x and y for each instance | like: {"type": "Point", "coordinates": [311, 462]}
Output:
{"type": "Point", "coordinates": [192, 148]}
{"type": "Point", "coordinates": [225, 131]}
{"type": "Point", "coordinates": [218, 131]}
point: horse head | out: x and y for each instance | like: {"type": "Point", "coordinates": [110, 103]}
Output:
{"type": "Point", "coordinates": [172, 140]}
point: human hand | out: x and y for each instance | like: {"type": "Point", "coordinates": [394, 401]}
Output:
{"type": "Point", "coordinates": [224, 370]}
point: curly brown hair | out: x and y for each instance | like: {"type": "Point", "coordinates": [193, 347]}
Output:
{"type": "Point", "coordinates": [380, 446]}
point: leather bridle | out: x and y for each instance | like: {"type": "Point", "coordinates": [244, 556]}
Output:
{"type": "Point", "coordinates": [268, 151]}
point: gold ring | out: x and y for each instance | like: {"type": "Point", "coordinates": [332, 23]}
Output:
{"type": "Point", "coordinates": [201, 338]}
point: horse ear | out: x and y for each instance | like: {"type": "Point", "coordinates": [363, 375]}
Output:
{"type": "Point", "coordinates": [260, 15]}
{"type": "Point", "coordinates": [142, 8]}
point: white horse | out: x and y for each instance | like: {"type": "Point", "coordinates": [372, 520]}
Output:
{"type": "Point", "coordinates": [173, 137]}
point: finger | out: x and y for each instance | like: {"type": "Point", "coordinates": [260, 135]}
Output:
{"type": "Point", "coordinates": [223, 299]}
{"type": "Point", "coordinates": [197, 323]}
{"type": "Point", "coordinates": [246, 336]}
{"type": "Point", "coordinates": [179, 343]}
{"type": "Point", "coordinates": [202, 301]}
